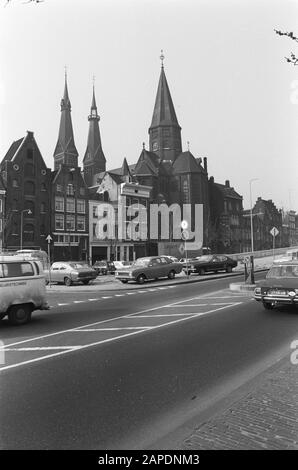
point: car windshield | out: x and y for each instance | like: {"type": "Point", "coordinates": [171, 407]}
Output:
{"type": "Point", "coordinates": [78, 265]}
{"type": "Point", "coordinates": [205, 258]}
{"type": "Point", "coordinates": [283, 271]}
{"type": "Point", "coordinates": [141, 262]}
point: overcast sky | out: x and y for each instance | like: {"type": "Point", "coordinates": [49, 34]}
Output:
{"type": "Point", "coordinates": [225, 66]}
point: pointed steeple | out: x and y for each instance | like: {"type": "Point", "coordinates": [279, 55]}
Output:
{"type": "Point", "coordinates": [94, 160]}
{"type": "Point", "coordinates": [65, 151]}
{"type": "Point", "coordinates": [165, 131]}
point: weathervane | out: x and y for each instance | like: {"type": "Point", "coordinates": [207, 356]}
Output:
{"type": "Point", "coordinates": [162, 57]}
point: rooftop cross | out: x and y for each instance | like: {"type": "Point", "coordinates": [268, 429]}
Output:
{"type": "Point", "coordinates": [162, 57]}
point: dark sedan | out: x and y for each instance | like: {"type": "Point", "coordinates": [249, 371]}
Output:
{"type": "Point", "coordinates": [152, 267]}
{"type": "Point", "coordinates": [209, 263]}
{"type": "Point", "coordinates": [280, 286]}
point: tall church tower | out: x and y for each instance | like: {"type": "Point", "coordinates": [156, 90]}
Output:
{"type": "Point", "coordinates": [165, 131]}
{"type": "Point", "coordinates": [94, 160]}
{"type": "Point", "coordinates": [65, 151]}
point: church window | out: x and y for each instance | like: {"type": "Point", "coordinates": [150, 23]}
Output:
{"type": "Point", "coordinates": [155, 146]}
{"type": "Point", "coordinates": [185, 189]}
{"type": "Point", "coordinates": [15, 183]}
{"type": "Point", "coordinates": [30, 154]}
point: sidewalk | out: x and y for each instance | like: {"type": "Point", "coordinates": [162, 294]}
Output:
{"type": "Point", "coordinates": [265, 418]}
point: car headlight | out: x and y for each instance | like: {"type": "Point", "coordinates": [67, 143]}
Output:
{"type": "Point", "coordinates": [292, 293]}
{"type": "Point", "coordinates": [257, 290]}
{"type": "Point", "coordinates": [130, 274]}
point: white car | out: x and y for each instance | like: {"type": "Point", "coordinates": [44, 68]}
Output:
{"type": "Point", "coordinates": [121, 264]}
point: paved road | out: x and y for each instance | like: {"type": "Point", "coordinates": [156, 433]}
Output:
{"type": "Point", "coordinates": [123, 370]}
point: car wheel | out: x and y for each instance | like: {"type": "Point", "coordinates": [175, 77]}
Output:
{"type": "Point", "coordinates": [171, 275]}
{"type": "Point", "coordinates": [201, 271]}
{"type": "Point", "coordinates": [86, 282]}
{"type": "Point", "coordinates": [141, 279]}
{"type": "Point", "coordinates": [268, 305]}
{"type": "Point", "coordinates": [124, 281]}
{"type": "Point", "coordinates": [229, 269]}
{"type": "Point", "coordinates": [67, 281]}
{"type": "Point", "coordinates": [19, 314]}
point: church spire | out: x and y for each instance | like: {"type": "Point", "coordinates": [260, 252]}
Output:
{"type": "Point", "coordinates": [165, 131]}
{"type": "Point", "coordinates": [94, 160]}
{"type": "Point", "coordinates": [65, 151]}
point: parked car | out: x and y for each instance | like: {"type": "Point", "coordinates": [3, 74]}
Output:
{"type": "Point", "coordinates": [210, 263]}
{"type": "Point", "coordinates": [69, 272]}
{"type": "Point", "coordinates": [104, 267]}
{"type": "Point", "coordinates": [151, 267]}
{"type": "Point", "coordinates": [280, 287]}
{"type": "Point", "coordinates": [121, 264]}
{"type": "Point", "coordinates": [288, 256]}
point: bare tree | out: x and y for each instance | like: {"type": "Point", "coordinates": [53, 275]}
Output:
{"type": "Point", "coordinates": [26, 1]}
{"type": "Point", "coordinates": [292, 59]}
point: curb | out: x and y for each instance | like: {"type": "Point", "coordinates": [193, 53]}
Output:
{"type": "Point", "coordinates": [151, 285]}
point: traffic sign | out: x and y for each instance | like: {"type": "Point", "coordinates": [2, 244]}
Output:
{"type": "Point", "coordinates": [49, 239]}
{"type": "Point", "coordinates": [184, 224]}
{"type": "Point", "coordinates": [185, 235]}
{"type": "Point", "coordinates": [181, 248]}
{"type": "Point", "coordinates": [274, 232]}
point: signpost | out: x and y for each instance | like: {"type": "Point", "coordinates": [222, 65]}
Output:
{"type": "Point", "coordinates": [49, 239]}
{"type": "Point", "coordinates": [274, 232]}
{"type": "Point", "coordinates": [185, 237]}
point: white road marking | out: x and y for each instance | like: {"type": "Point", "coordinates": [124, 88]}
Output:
{"type": "Point", "coordinates": [114, 329]}
{"type": "Point", "coordinates": [107, 297]}
{"type": "Point", "coordinates": [108, 340]}
{"type": "Point", "coordinates": [92, 300]}
{"type": "Point", "coordinates": [166, 315]}
{"type": "Point", "coordinates": [60, 305]}
{"type": "Point", "coordinates": [119, 295]}
{"type": "Point", "coordinates": [42, 348]}
{"type": "Point", "coordinates": [202, 305]}
{"type": "Point", "coordinates": [79, 301]}
{"type": "Point", "coordinates": [130, 293]}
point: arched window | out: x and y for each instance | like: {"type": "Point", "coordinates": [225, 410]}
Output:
{"type": "Point", "coordinates": [185, 189]}
{"type": "Point", "coordinates": [15, 183]}
{"type": "Point", "coordinates": [15, 205]}
{"type": "Point", "coordinates": [29, 188]}
{"type": "Point", "coordinates": [106, 196]}
{"type": "Point", "coordinates": [43, 207]}
{"type": "Point", "coordinates": [42, 229]}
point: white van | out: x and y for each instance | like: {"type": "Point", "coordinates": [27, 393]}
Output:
{"type": "Point", "coordinates": [22, 289]}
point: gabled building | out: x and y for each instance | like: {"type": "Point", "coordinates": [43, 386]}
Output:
{"type": "Point", "coordinates": [223, 229]}
{"type": "Point", "coordinates": [26, 180]}
{"type": "Point", "coordinates": [69, 194]}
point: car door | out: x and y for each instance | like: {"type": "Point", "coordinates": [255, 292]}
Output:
{"type": "Point", "coordinates": [55, 272]}
{"type": "Point", "coordinates": [63, 272]}
{"type": "Point", "coordinates": [165, 266]}
{"type": "Point", "coordinates": [215, 263]}
{"type": "Point", "coordinates": [153, 269]}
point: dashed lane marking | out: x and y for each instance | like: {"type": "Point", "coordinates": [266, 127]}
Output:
{"type": "Point", "coordinates": [113, 329]}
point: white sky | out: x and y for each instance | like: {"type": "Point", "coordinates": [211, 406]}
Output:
{"type": "Point", "coordinates": [225, 67]}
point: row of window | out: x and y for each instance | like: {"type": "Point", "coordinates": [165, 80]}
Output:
{"type": "Point", "coordinates": [70, 190]}
{"type": "Point", "coordinates": [29, 186]}
{"type": "Point", "coordinates": [70, 205]}
{"type": "Point", "coordinates": [70, 222]}
{"type": "Point", "coordinates": [29, 205]}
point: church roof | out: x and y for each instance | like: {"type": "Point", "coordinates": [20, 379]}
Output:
{"type": "Point", "coordinates": [65, 142]}
{"type": "Point", "coordinates": [186, 163]}
{"type": "Point", "coordinates": [125, 168]}
{"type": "Point", "coordinates": [164, 111]}
{"type": "Point", "coordinates": [12, 150]}
{"type": "Point", "coordinates": [228, 191]}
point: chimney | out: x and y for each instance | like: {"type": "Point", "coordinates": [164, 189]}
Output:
{"type": "Point", "coordinates": [227, 183]}
{"type": "Point", "coordinates": [205, 164]}
{"type": "Point", "coordinates": [211, 179]}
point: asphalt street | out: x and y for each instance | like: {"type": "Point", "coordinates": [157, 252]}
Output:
{"type": "Point", "coordinates": [124, 370]}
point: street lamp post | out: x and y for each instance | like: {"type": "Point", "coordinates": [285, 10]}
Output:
{"type": "Point", "coordinates": [251, 231]}
{"type": "Point", "coordinates": [22, 212]}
